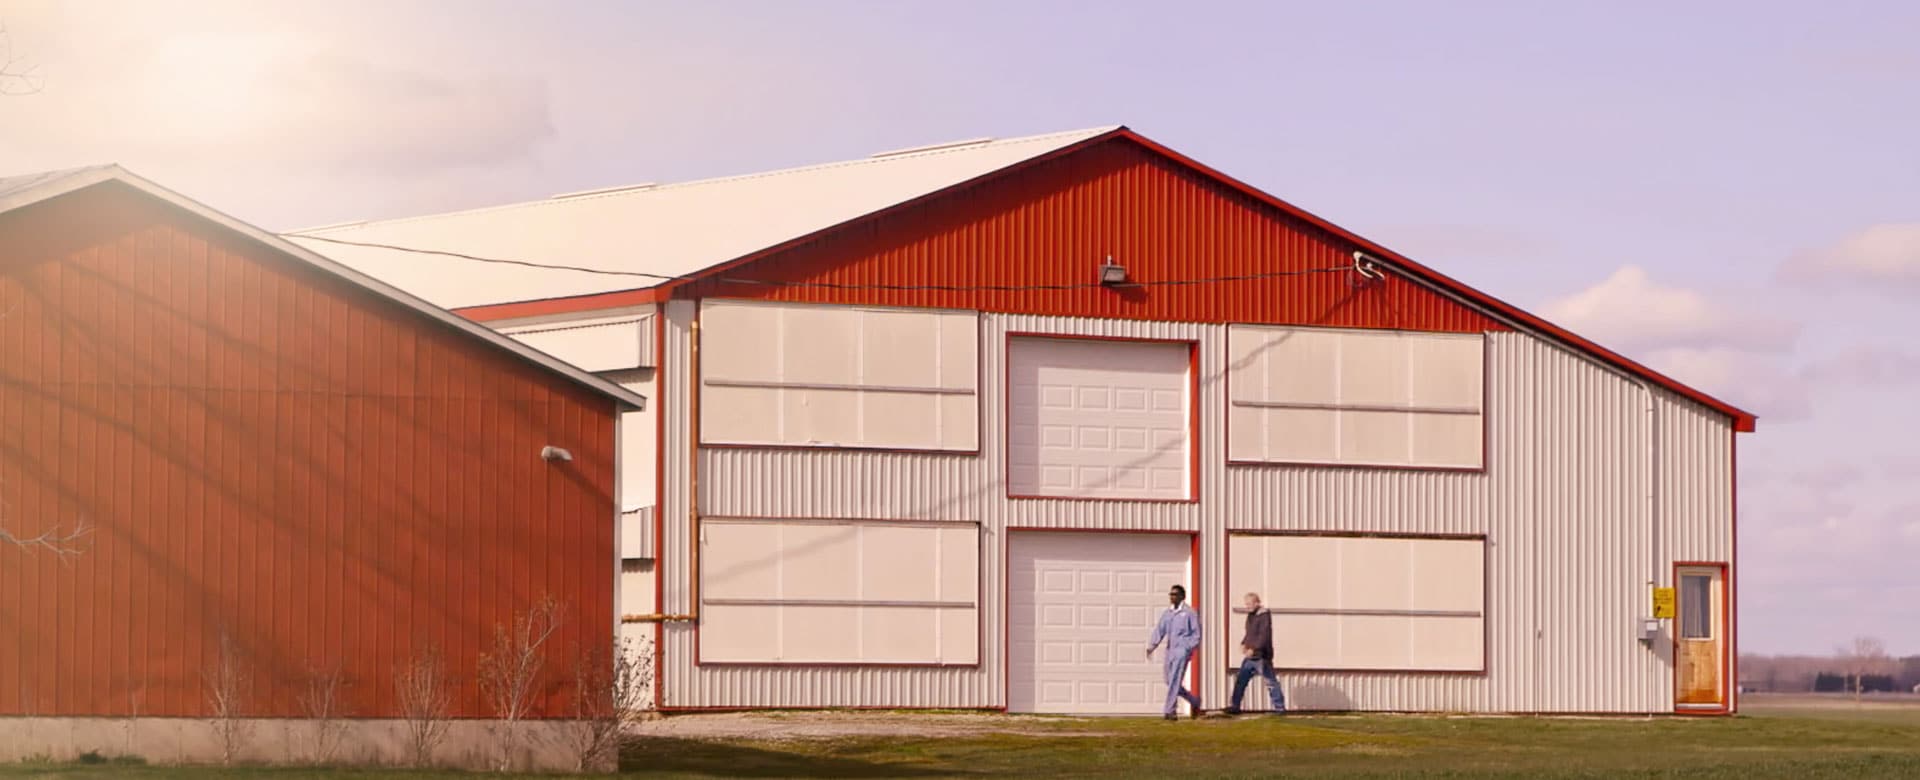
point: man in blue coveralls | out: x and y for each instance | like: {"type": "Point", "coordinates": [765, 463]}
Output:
{"type": "Point", "coordinates": [1180, 628]}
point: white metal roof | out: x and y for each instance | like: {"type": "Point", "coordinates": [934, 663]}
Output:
{"type": "Point", "coordinates": [666, 229]}
{"type": "Point", "coordinates": [21, 191]}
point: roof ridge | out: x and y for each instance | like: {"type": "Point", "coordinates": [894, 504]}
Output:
{"type": "Point", "coordinates": [620, 192]}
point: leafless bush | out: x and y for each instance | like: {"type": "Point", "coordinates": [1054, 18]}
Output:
{"type": "Point", "coordinates": [510, 670]}
{"type": "Point", "coordinates": [424, 689]}
{"type": "Point", "coordinates": [611, 694]}
{"type": "Point", "coordinates": [229, 685]}
{"type": "Point", "coordinates": [321, 703]}
{"type": "Point", "coordinates": [1865, 656]}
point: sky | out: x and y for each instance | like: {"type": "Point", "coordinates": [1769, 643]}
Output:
{"type": "Point", "coordinates": [1728, 191]}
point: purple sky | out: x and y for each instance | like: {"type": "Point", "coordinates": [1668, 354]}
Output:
{"type": "Point", "coordinates": [1729, 191]}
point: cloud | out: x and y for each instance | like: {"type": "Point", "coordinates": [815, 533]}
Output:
{"type": "Point", "coordinates": [1629, 311]}
{"type": "Point", "coordinates": [1761, 383]}
{"type": "Point", "coordinates": [1865, 366]}
{"type": "Point", "coordinates": [1880, 256]}
{"type": "Point", "coordinates": [1730, 352]}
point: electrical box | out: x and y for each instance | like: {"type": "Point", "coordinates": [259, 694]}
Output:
{"type": "Point", "coordinates": [1649, 629]}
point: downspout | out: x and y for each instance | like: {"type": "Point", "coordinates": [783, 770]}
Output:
{"type": "Point", "coordinates": [693, 484]}
{"type": "Point", "coordinates": [1653, 504]}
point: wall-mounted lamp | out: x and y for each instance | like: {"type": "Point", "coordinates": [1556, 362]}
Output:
{"type": "Point", "coordinates": [551, 453]}
{"type": "Point", "coordinates": [1112, 273]}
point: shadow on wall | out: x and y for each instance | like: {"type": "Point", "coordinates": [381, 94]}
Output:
{"type": "Point", "coordinates": [1315, 697]}
{"type": "Point", "coordinates": [679, 757]}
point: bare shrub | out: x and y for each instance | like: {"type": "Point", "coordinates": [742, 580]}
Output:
{"type": "Point", "coordinates": [322, 703]}
{"type": "Point", "coordinates": [510, 670]}
{"type": "Point", "coordinates": [611, 693]}
{"type": "Point", "coordinates": [1865, 656]}
{"type": "Point", "coordinates": [229, 685]}
{"type": "Point", "coordinates": [424, 690]}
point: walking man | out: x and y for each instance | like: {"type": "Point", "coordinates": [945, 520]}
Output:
{"type": "Point", "coordinates": [1257, 649]}
{"type": "Point", "coordinates": [1179, 627]}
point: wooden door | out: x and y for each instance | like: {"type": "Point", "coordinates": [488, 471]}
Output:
{"type": "Point", "coordinates": [1700, 637]}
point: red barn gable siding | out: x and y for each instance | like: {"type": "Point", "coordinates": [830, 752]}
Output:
{"type": "Point", "coordinates": [1054, 223]}
{"type": "Point", "coordinates": [269, 451]}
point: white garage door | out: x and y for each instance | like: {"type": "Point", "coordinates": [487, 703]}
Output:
{"type": "Point", "coordinates": [1098, 419]}
{"type": "Point", "coordinates": [1081, 607]}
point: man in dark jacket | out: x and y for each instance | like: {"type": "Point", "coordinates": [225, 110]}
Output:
{"type": "Point", "coordinates": [1257, 651]}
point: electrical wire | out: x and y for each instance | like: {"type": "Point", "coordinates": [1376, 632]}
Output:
{"type": "Point", "coordinates": [838, 285]}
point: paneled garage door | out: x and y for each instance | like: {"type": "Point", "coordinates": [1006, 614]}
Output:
{"type": "Point", "coordinates": [1081, 607]}
{"type": "Point", "coordinates": [1098, 419]}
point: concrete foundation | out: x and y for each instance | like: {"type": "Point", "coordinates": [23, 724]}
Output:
{"type": "Point", "coordinates": [543, 746]}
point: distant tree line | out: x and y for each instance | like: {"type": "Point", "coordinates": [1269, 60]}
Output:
{"type": "Point", "coordinates": [1860, 667]}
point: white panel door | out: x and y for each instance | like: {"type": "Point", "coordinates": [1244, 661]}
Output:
{"type": "Point", "coordinates": [1098, 419]}
{"type": "Point", "coordinates": [1081, 608]}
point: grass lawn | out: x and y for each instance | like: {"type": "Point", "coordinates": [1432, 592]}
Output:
{"type": "Point", "coordinates": [1778, 741]}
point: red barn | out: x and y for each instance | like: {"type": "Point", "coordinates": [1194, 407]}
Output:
{"type": "Point", "coordinates": [210, 436]}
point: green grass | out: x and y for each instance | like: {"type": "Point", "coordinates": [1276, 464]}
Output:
{"type": "Point", "coordinates": [1778, 741]}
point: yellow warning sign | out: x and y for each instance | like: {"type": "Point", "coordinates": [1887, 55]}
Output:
{"type": "Point", "coordinates": [1663, 602]}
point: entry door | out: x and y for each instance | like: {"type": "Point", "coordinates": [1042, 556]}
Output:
{"type": "Point", "coordinates": [1081, 607]}
{"type": "Point", "coordinates": [1700, 638]}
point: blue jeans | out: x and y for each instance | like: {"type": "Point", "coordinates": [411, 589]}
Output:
{"type": "Point", "coordinates": [1263, 667]}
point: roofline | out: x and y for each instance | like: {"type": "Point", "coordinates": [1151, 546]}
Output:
{"type": "Point", "coordinates": [1743, 421]}
{"type": "Point", "coordinates": [83, 178]}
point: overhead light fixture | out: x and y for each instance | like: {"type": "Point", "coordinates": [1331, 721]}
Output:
{"type": "Point", "coordinates": [551, 454]}
{"type": "Point", "coordinates": [1112, 273]}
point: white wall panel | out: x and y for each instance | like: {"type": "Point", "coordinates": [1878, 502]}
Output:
{"type": "Point", "coordinates": [839, 376]}
{"type": "Point", "coordinates": [1562, 502]}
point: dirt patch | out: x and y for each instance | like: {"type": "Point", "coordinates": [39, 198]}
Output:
{"type": "Point", "coordinates": [778, 726]}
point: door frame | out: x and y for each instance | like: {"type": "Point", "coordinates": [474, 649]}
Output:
{"type": "Point", "coordinates": [1006, 596]}
{"type": "Point", "coordinates": [1725, 707]}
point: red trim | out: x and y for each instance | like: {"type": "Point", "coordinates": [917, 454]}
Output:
{"type": "Point", "coordinates": [972, 453]}
{"type": "Point", "coordinates": [1193, 413]}
{"type": "Point", "coordinates": [1733, 591]}
{"type": "Point", "coordinates": [1254, 464]}
{"type": "Point", "coordinates": [1006, 595]}
{"type": "Point", "coordinates": [543, 306]}
{"type": "Point", "coordinates": [979, 601]}
{"type": "Point", "coordinates": [659, 504]}
{"type": "Point", "coordinates": [1727, 685]}
{"type": "Point", "coordinates": [1743, 421]}
{"type": "Point", "coordinates": [1486, 596]}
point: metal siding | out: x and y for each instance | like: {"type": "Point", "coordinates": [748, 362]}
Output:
{"type": "Point", "coordinates": [1562, 504]}
{"type": "Point", "coordinates": [266, 449]}
{"type": "Point", "coordinates": [1055, 222]}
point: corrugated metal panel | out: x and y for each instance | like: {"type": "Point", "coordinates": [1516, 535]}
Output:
{"type": "Point", "coordinates": [267, 450]}
{"type": "Point", "coordinates": [596, 344]}
{"type": "Point", "coordinates": [669, 229]}
{"type": "Point", "coordinates": [1054, 223]}
{"type": "Point", "coordinates": [636, 534]}
{"type": "Point", "coordinates": [1562, 504]}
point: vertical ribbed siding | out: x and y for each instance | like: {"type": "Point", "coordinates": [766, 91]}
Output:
{"type": "Point", "coordinates": [265, 450]}
{"type": "Point", "coordinates": [1055, 222]}
{"type": "Point", "coordinates": [1562, 502]}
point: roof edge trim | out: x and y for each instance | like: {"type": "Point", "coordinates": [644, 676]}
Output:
{"type": "Point", "coordinates": [62, 185]}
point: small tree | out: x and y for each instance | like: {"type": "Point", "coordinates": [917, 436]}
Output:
{"type": "Point", "coordinates": [1866, 655]}
{"type": "Point", "coordinates": [424, 691]}
{"type": "Point", "coordinates": [510, 671]}
{"type": "Point", "coordinates": [611, 694]}
{"type": "Point", "coordinates": [229, 685]}
{"type": "Point", "coordinates": [321, 703]}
